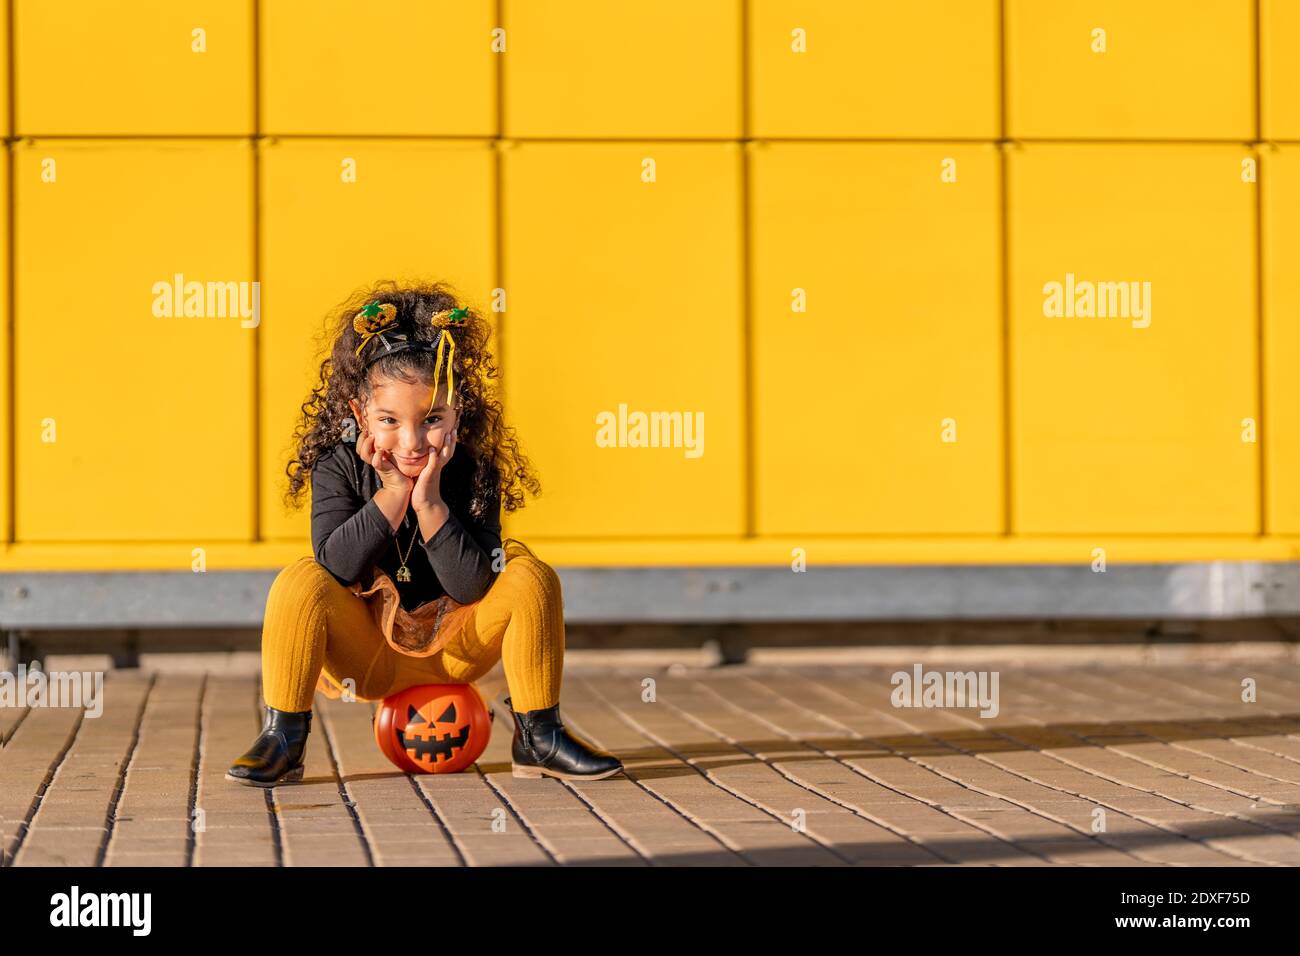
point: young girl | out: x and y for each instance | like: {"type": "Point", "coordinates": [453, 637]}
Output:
{"type": "Point", "coordinates": [409, 461]}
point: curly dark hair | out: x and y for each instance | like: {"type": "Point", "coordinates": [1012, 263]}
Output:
{"type": "Point", "coordinates": [500, 470]}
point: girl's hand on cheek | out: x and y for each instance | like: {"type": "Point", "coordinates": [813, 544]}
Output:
{"type": "Point", "coordinates": [365, 445]}
{"type": "Point", "coordinates": [428, 487]}
{"type": "Point", "coordinates": [389, 473]}
{"type": "Point", "coordinates": [382, 462]}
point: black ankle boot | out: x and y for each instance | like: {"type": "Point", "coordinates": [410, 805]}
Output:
{"type": "Point", "coordinates": [276, 755]}
{"type": "Point", "coordinates": [543, 747]}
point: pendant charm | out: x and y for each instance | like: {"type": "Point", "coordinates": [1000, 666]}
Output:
{"type": "Point", "coordinates": [403, 573]}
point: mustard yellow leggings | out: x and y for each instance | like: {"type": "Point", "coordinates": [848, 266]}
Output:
{"type": "Point", "coordinates": [312, 623]}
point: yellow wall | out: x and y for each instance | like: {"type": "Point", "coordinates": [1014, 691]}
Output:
{"type": "Point", "coordinates": [826, 228]}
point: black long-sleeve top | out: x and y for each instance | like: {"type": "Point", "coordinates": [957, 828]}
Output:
{"type": "Point", "coordinates": [350, 534]}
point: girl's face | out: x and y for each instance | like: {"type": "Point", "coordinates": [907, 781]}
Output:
{"type": "Point", "coordinates": [398, 417]}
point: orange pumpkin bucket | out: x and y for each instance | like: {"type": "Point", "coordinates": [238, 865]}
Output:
{"type": "Point", "coordinates": [433, 728]}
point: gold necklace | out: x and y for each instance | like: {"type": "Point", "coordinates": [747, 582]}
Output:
{"type": "Point", "coordinates": [404, 573]}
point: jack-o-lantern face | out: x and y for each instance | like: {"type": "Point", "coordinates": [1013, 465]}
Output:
{"type": "Point", "coordinates": [433, 728]}
{"type": "Point", "coordinates": [430, 741]}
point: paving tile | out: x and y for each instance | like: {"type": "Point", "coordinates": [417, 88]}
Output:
{"type": "Point", "coordinates": [775, 764]}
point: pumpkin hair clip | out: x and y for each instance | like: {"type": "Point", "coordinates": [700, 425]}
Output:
{"type": "Point", "coordinates": [372, 319]}
{"type": "Point", "coordinates": [448, 317]}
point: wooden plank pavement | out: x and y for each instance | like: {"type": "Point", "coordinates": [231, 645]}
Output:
{"type": "Point", "coordinates": [741, 766]}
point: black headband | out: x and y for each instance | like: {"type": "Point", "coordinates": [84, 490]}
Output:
{"type": "Point", "coordinates": [402, 344]}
